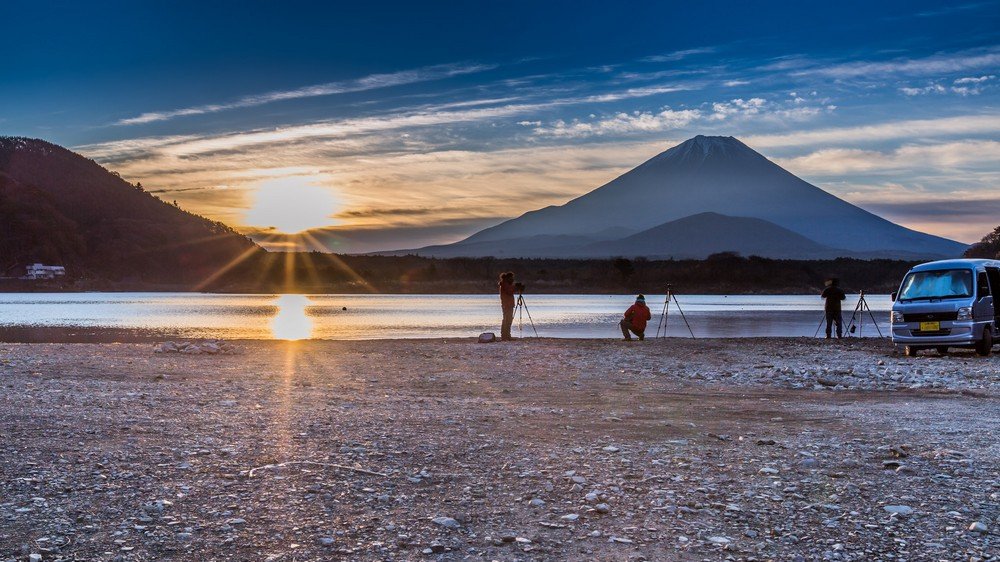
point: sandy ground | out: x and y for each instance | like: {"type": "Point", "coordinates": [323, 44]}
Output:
{"type": "Point", "coordinates": [749, 449]}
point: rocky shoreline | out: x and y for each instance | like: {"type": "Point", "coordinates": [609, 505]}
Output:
{"type": "Point", "coordinates": [741, 449]}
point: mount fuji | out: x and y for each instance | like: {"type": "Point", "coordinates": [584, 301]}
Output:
{"type": "Point", "coordinates": [705, 195]}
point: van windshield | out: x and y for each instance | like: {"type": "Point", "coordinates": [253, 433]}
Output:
{"type": "Point", "coordinates": [940, 284]}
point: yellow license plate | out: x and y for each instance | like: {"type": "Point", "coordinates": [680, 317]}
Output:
{"type": "Point", "coordinates": [930, 326]}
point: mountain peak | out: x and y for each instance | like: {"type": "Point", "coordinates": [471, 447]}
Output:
{"type": "Point", "coordinates": [712, 144]}
{"type": "Point", "coordinates": [696, 150]}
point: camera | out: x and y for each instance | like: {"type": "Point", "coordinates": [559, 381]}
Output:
{"type": "Point", "coordinates": [519, 287]}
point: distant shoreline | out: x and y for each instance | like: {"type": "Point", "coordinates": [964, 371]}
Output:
{"type": "Point", "coordinates": [313, 273]}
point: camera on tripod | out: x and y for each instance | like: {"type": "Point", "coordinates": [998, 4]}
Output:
{"type": "Point", "coordinates": [519, 287]}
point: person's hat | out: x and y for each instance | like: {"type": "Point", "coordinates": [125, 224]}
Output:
{"type": "Point", "coordinates": [640, 298]}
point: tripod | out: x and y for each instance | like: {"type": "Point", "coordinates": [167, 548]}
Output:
{"type": "Point", "coordinates": [666, 310]}
{"type": "Point", "coordinates": [859, 313]}
{"type": "Point", "coordinates": [521, 308]}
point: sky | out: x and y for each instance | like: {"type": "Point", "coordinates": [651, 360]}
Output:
{"type": "Point", "coordinates": [388, 125]}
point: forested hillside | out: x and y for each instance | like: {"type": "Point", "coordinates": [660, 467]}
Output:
{"type": "Point", "coordinates": [57, 207]}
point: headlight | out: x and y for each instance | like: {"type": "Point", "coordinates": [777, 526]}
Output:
{"type": "Point", "coordinates": [897, 317]}
{"type": "Point", "coordinates": [965, 313]}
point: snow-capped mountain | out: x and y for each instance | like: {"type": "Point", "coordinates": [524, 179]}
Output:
{"type": "Point", "coordinates": [717, 175]}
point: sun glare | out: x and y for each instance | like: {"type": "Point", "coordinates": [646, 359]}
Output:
{"type": "Point", "coordinates": [292, 322]}
{"type": "Point", "coordinates": [292, 205]}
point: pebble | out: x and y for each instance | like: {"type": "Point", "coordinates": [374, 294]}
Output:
{"type": "Point", "coordinates": [326, 541]}
{"type": "Point", "coordinates": [611, 449]}
{"type": "Point", "coordinates": [719, 540]}
{"type": "Point", "coordinates": [620, 540]}
{"type": "Point", "coordinates": [979, 527]}
{"type": "Point", "coordinates": [537, 502]}
{"type": "Point", "coordinates": [35, 557]}
{"type": "Point", "coordinates": [899, 509]}
{"type": "Point", "coordinates": [602, 508]}
{"type": "Point", "coordinates": [570, 517]}
{"type": "Point", "coordinates": [447, 522]}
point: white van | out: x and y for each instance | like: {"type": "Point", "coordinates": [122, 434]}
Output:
{"type": "Point", "coordinates": [947, 303]}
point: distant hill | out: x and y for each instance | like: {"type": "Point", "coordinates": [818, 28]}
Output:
{"type": "Point", "coordinates": [57, 207]}
{"type": "Point", "coordinates": [705, 234]}
{"type": "Point", "coordinates": [718, 175]}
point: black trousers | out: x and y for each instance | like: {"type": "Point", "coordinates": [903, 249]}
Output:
{"type": "Point", "coordinates": [832, 317]}
{"type": "Point", "coordinates": [627, 327]}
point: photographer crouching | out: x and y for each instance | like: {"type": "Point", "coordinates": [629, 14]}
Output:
{"type": "Point", "coordinates": [507, 288]}
{"type": "Point", "coordinates": [635, 319]}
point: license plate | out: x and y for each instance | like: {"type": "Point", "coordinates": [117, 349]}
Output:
{"type": "Point", "coordinates": [930, 326]}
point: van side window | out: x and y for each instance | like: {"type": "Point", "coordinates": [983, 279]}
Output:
{"type": "Point", "coordinates": [983, 289]}
{"type": "Point", "coordinates": [993, 273]}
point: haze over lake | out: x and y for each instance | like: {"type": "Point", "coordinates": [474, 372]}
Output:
{"type": "Point", "coordinates": [198, 315]}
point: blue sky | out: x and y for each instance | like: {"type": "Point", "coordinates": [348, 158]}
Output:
{"type": "Point", "coordinates": [391, 125]}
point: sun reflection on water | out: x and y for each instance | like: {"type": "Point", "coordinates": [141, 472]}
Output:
{"type": "Point", "coordinates": [291, 322]}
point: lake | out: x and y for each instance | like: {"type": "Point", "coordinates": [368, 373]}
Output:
{"type": "Point", "coordinates": [149, 316]}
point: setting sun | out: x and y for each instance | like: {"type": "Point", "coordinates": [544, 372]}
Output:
{"type": "Point", "coordinates": [292, 205]}
{"type": "Point", "coordinates": [291, 321]}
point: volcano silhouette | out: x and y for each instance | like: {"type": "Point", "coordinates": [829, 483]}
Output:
{"type": "Point", "coordinates": [714, 184]}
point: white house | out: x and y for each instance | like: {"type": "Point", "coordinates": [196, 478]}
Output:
{"type": "Point", "coordinates": [41, 271]}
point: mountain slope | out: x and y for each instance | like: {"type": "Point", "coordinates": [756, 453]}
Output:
{"type": "Point", "coordinates": [704, 234]}
{"type": "Point", "coordinates": [721, 175]}
{"type": "Point", "coordinates": [58, 207]}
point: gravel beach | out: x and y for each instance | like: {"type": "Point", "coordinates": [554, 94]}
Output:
{"type": "Point", "coordinates": [541, 449]}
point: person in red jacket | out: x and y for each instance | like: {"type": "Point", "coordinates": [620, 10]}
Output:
{"type": "Point", "coordinates": [635, 319]}
{"type": "Point", "coordinates": [506, 287]}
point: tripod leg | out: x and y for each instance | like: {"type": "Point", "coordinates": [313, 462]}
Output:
{"type": "Point", "coordinates": [870, 314]}
{"type": "Point", "coordinates": [853, 315]}
{"type": "Point", "coordinates": [520, 318]}
{"type": "Point", "coordinates": [821, 320]}
{"type": "Point", "coordinates": [683, 317]}
{"type": "Point", "coordinates": [530, 321]}
{"type": "Point", "coordinates": [663, 317]}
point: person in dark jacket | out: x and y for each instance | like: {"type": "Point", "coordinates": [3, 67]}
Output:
{"type": "Point", "coordinates": [635, 319]}
{"type": "Point", "coordinates": [506, 287]}
{"type": "Point", "coordinates": [833, 295]}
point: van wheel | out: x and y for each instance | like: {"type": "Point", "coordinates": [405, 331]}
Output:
{"type": "Point", "coordinates": [985, 345]}
{"type": "Point", "coordinates": [910, 351]}
{"type": "Point", "coordinates": [942, 349]}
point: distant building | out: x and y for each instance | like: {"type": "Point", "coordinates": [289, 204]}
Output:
{"type": "Point", "coordinates": [41, 271]}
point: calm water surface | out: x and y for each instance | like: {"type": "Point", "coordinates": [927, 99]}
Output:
{"type": "Point", "coordinates": [194, 315]}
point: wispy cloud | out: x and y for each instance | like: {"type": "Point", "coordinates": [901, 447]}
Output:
{"type": "Point", "coordinates": [370, 82]}
{"type": "Point", "coordinates": [679, 55]}
{"type": "Point", "coordinates": [841, 161]}
{"type": "Point", "coordinates": [948, 10]}
{"type": "Point", "coordinates": [975, 79]}
{"type": "Point", "coordinates": [969, 86]}
{"type": "Point", "coordinates": [632, 93]}
{"type": "Point", "coordinates": [988, 123]}
{"type": "Point", "coordinates": [965, 219]}
{"type": "Point", "coordinates": [622, 123]}
{"type": "Point", "coordinates": [429, 116]}
{"type": "Point", "coordinates": [932, 65]}
{"type": "Point", "coordinates": [668, 119]}
{"type": "Point", "coordinates": [932, 89]}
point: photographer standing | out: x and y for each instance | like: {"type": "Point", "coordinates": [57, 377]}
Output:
{"type": "Point", "coordinates": [635, 319]}
{"type": "Point", "coordinates": [506, 286]}
{"type": "Point", "coordinates": [833, 295]}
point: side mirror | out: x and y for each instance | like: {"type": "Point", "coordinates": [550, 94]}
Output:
{"type": "Point", "coordinates": [893, 296]}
